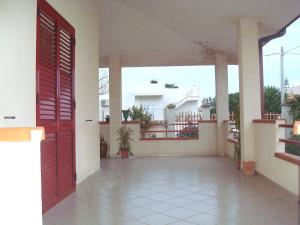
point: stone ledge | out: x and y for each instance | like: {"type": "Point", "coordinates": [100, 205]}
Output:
{"type": "Point", "coordinates": [18, 134]}
{"type": "Point", "coordinates": [294, 159]}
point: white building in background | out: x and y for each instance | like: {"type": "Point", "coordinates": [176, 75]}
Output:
{"type": "Point", "coordinates": [104, 108]}
{"type": "Point", "coordinates": [295, 90]}
{"type": "Point", "coordinates": [155, 98]}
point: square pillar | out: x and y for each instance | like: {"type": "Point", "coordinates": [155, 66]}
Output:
{"type": "Point", "coordinates": [115, 101]}
{"type": "Point", "coordinates": [249, 78]}
{"type": "Point", "coordinates": [222, 102]}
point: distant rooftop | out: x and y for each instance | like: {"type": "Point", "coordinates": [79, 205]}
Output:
{"type": "Point", "coordinates": [294, 90]}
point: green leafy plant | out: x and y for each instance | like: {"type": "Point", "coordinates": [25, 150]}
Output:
{"type": "Point", "coordinates": [210, 102]}
{"type": "Point", "coordinates": [140, 113]}
{"type": "Point", "coordinates": [272, 99]}
{"type": "Point", "coordinates": [191, 131]}
{"type": "Point", "coordinates": [171, 106]}
{"type": "Point", "coordinates": [124, 138]}
{"type": "Point", "coordinates": [294, 102]}
{"type": "Point", "coordinates": [293, 149]}
{"type": "Point", "coordinates": [237, 125]}
{"type": "Point", "coordinates": [234, 99]}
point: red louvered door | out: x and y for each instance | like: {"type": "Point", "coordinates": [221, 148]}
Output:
{"type": "Point", "coordinates": [55, 104]}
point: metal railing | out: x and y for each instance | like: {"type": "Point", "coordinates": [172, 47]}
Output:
{"type": "Point", "coordinates": [271, 116]}
{"type": "Point", "coordinates": [175, 131]}
{"type": "Point", "coordinates": [292, 142]}
{"type": "Point", "coordinates": [233, 132]}
{"type": "Point", "coordinates": [188, 116]}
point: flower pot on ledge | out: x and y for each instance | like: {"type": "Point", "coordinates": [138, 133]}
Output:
{"type": "Point", "coordinates": [125, 114]}
{"type": "Point", "coordinates": [238, 164]}
{"type": "Point", "coordinates": [249, 167]}
{"type": "Point", "coordinates": [103, 150]}
{"type": "Point", "coordinates": [124, 153]}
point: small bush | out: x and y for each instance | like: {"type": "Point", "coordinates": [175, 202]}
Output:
{"type": "Point", "coordinates": [140, 113]}
{"type": "Point", "coordinates": [171, 106]}
{"type": "Point", "coordinates": [294, 102]}
{"type": "Point", "coordinates": [293, 149]}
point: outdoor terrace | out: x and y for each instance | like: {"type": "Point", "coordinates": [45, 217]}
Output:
{"type": "Point", "coordinates": [177, 191]}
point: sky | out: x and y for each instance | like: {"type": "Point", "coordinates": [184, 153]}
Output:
{"type": "Point", "coordinates": [289, 41]}
{"type": "Point", "coordinates": [204, 77]}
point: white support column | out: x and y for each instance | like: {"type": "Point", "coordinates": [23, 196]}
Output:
{"type": "Point", "coordinates": [222, 104]}
{"type": "Point", "coordinates": [115, 101]}
{"type": "Point", "coordinates": [250, 107]}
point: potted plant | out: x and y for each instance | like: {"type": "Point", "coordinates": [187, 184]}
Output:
{"type": "Point", "coordinates": [125, 114]}
{"type": "Point", "coordinates": [248, 166]}
{"type": "Point", "coordinates": [107, 118]}
{"type": "Point", "coordinates": [171, 106]}
{"type": "Point", "coordinates": [124, 138]}
{"type": "Point", "coordinates": [103, 147]}
{"type": "Point", "coordinates": [236, 130]}
{"type": "Point", "coordinates": [237, 153]}
{"type": "Point", "coordinates": [141, 114]}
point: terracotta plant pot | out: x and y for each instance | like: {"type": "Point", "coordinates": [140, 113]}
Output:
{"type": "Point", "coordinates": [103, 150]}
{"type": "Point", "coordinates": [249, 167]}
{"type": "Point", "coordinates": [238, 164]}
{"type": "Point", "coordinates": [124, 153]}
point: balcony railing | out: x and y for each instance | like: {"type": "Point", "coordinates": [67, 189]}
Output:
{"type": "Point", "coordinates": [233, 132]}
{"type": "Point", "coordinates": [272, 116]}
{"type": "Point", "coordinates": [292, 142]}
{"type": "Point", "coordinates": [188, 116]}
{"type": "Point", "coordinates": [171, 131]}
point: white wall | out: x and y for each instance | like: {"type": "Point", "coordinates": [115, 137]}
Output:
{"type": "Point", "coordinates": [154, 104]}
{"type": "Point", "coordinates": [18, 71]}
{"type": "Point", "coordinates": [168, 95]}
{"type": "Point", "coordinates": [158, 127]}
{"type": "Point", "coordinates": [191, 106]}
{"type": "Point", "coordinates": [249, 83]}
{"type": "Point", "coordinates": [83, 16]}
{"type": "Point", "coordinates": [266, 144]}
{"type": "Point", "coordinates": [205, 145]}
{"type": "Point", "coordinates": [17, 62]}
{"type": "Point", "coordinates": [20, 189]}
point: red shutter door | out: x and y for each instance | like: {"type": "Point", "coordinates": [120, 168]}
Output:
{"type": "Point", "coordinates": [47, 105]}
{"type": "Point", "coordinates": [66, 112]}
{"type": "Point", "coordinates": [55, 104]}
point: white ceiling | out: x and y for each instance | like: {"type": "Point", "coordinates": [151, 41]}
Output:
{"type": "Point", "coordinates": [183, 32]}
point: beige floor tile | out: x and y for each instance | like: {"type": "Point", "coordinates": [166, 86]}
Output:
{"type": "Point", "coordinates": [158, 207]}
{"type": "Point", "coordinates": [203, 219]}
{"type": "Point", "coordinates": [157, 219]}
{"type": "Point", "coordinates": [200, 207]}
{"type": "Point", "coordinates": [180, 213]}
{"type": "Point", "coordinates": [179, 201]}
{"type": "Point", "coordinates": [137, 212]}
{"type": "Point", "coordinates": [140, 201]}
{"type": "Point", "coordinates": [176, 191]}
{"type": "Point", "coordinates": [181, 222]}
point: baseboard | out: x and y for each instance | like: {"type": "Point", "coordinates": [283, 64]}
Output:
{"type": "Point", "coordinates": [87, 174]}
{"type": "Point", "coordinates": [176, 154]}
{"type": "Point", "coordinates": [280, 188]}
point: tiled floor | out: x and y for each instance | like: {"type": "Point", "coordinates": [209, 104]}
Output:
{"type": "Point", "coordinates": [177, 191]}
